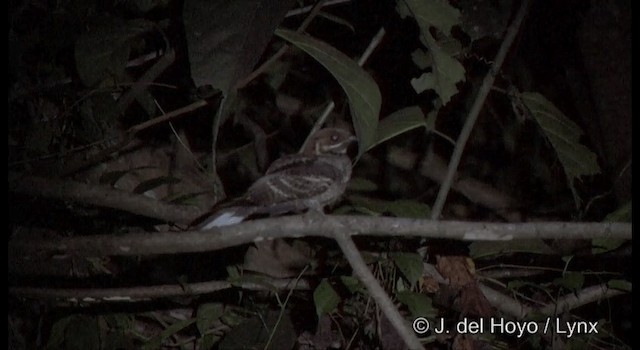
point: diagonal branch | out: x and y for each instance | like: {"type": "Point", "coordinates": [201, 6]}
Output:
{"type": "Point", "coordinates": [360, 269]}
{"type": "Point", "coordinates": [483, 92]}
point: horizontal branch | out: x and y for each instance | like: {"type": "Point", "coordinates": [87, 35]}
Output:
{"type": "Point", "coordinates": [306, 225]}
{"type": "Point", "coordinates": [105, 197]}
{"type": "Point", "coordinates": [133, 294]}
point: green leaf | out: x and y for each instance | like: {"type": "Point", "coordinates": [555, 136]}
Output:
{"type": "Point", "coordinates": [603, 245]}
{"type": "Point", "coordinates": [352, 284]}
{"type": "Point", "coordinates": [361, 89]}
{"type": "Point", "coordinates": [447, 71]}
{"type": "Point", "coordinates": [169, 331]}
{"type": "Point", "coordinates": [421, 59]}
{"type": "Point", "coordinates": [419, 304]}
{"type": "Point", "coordinates": [150, 184]}
{"type": "Point", "coordinates": [570, 280]}
{"type": "Point", "coordinates": [622, 214]}
{"type": "Point", "coordinates": [325, 298]}
{"type": "Point", "coordinates": [620, 284]}
{"type": "Point", "coordinates": [431, 13]}
{"type": "Point", "coordinates": [207, 315]}
{"type": "Point", "coordinates": [410, 264]}
{"type": "Point", "coordinates": [564, 135]}
{"type": "Point", "coordinates": [398, 123]}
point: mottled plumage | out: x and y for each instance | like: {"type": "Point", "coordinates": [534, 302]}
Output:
{"type": "Point", "coordinates": [312, 179]}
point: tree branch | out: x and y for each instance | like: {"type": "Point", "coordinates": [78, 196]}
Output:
{"type": "Point", "coordinates": [105, 197]}
{"type": "Point", "coordinates": [134, 294]}
{"type": "Point", "coordinates": [304, 225]}
{"type": "Point", "coordinates": [361, 270]}
{"type": "Point", "coordinates": [483, 92]}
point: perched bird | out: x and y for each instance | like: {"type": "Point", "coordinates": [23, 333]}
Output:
{"type": "Point", "coordinates": [312, 179]}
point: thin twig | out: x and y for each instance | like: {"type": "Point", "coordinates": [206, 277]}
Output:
{"type": "Point", "coordinates": [134, 294]}
{"type": "Point", "coordinates": [376, 291]}
{"type": "Point", "coordinates": [104, 197]}
{"type": "Point", "coordinates": [475, 110]}
{"type": "Point", "coordinates": [130, 134]}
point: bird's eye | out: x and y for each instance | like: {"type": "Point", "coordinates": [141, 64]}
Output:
{"type": "Point", "coordinates": [334, 138]}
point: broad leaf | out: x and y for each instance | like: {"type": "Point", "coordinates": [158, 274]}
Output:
{"type": "Point", "coordinates": [156, 341]}
{"type": "Point", "coordinates": [564, 135]}
{"type": "Point", "coordinates": [361, 89]}
{"type": "Point", "coordinates": [227, 38]}
{"type": "Point", "coordinates": [207, 315]}
{"type": "Point", "coordinates": [399, 122]}
{"type": "Point", "coordinates": [571, 280]}
{"type": "Point", "coordinates": [410, 264]}
{"type": "Point", "coordinates": [325, 298]}
{"type": "Point", "coordinates": [620, 284]}
{"type": "Point", "coordinates": [419, 304]}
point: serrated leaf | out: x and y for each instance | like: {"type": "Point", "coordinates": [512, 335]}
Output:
{"type": "Point", "coordinates": [207, 315]}
{"type": "Point", "coordinates": [564, 135]}
{"type": "Point", "coordinates": [431, 13]}
{"type": "Point", "coordinates": [399, 122]}
{"type": "Point", "coordinates": [620, 284]}
{"type": "Point", "coordinates": [447, 71]}
{"type": "Point", "coordinates": [325, 298]}
{"type": "Point", "coordinates": [483, 249]}
{"type": "Point", "coordinates": [419, 304]}
{"type": "Point", "coordinates": [361, 89]}
{"type": "Point", "coordinates": [571, 280]}
{"type": "Point", "coordinates": [150, 184]}
{"type": "Point", "coordinates": [410, 264]}
{"type": "Point", "coordinates": [421, 59]}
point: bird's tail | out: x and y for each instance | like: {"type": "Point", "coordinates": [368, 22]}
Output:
{"type": "Point", "coordinates": [225, 217]}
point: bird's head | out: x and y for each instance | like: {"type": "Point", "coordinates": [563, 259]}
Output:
{"type": "Point", "coordinates": [329, 141]}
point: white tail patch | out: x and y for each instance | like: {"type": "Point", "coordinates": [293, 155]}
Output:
{"type": "Point", "coordinates": [224, 219]}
